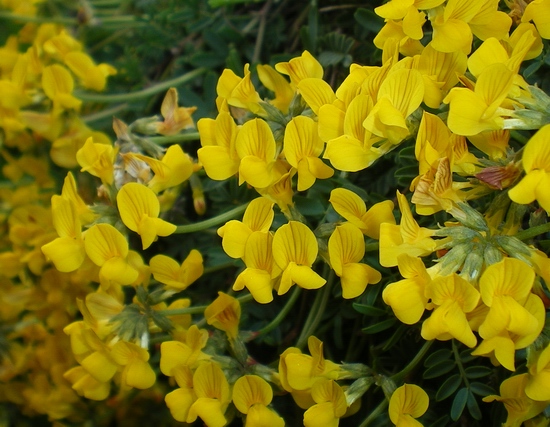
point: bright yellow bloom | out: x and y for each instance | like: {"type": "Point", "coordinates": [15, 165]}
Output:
{"type": "Point", "coordinates": [174, 168]}
{"type": "Point", "coordinates": [537, 387]}
{"type": "Point", "coordinates": [67, 251]}
{"type": "Point", "coordinates": [346, 248]}
{"type": "Point", "coordinates": [330, 404]}
{"type": "Point", "coordinates": [407, 403]}
{"type": "Point", "coordinates": [515, 317]}
{"type": "Point", "coordinates": [300, 68]}
{"type": "Point", "coordinates": [175, 354]}
{"type": "Point", "coordinates": [70, 192]}
{"type": "Point", "coordinates": [276, 83]}
{"type": "Point", "coordinates": [180, 400]}
{"type": "Point", "coordinates": [407, 297]}
{"type": "Point", "coordinates": [295, 250]}
{"type": "Point", "coordinates": [407, 237]}
{"type": "Point", "coordinates": [258, 216]}
{"type": "Point", "coordinates": [255, 147]}
{"type": "Point", "coordinates": [218, 155]}
{"type": "Point", "coordinates": [316, 92]}
{"type": "Point", "coordinates": [302, 147]}
{"type": "Point", "coordinates": [261, 270]}
{"type": "Point", "coordinates": [453, 297]}
{"type": "Point", "coordinates": [86, 385]}
{"type": "Point", "coordinates": [91, 76]}
{"type": "Point", "coordinates": [239, 92]}
{"type": "Point", "coordinates": [58, 85]}
{"type": "Point", "coordinates": [108, 249]}
{"type": "Point", "coordinates": [224, 313]}
{"type": "Point", "coordinates": [536, 163]}
{"type": "Point", "coordinates": [538, 11]}
{"type": "Point", "coordinates": [175, 276]}
{"type": "Point", "coordinates": [98, 160]}
{"type": "Point", "coordinates": [139, 209]}
{"type": "Point", "coordinates": [519, 406]}
{"type": "Point", "coordinates": [176, 118]}
{"type": "Point", "coordinates": [399, 95]}
{"type": "Point", "coordinates": [213, 395]}
{"type": "Point", "coordinates": [136, 372]}
{"type": "Point", "coordinates": [251, 396]}
{"type": "Point", "coordinates": [472, 112]}
{"type": "Point", "coordinates": [349, 205]}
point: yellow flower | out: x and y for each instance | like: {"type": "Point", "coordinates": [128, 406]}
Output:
{"type": "Point", "coordinates": [330, 404]}
{"type": "Point", "coordinates": [174, 168]}
{"type": "Point", "coordinates": [180, 400]}
{"type": "Point", "coordinates": [301, 67]}
{"type": "Point", "coordinates": [139, 209]}
{"type": "Point", "coordinates": [224, 313]}
{"type": "Point", "coordinates": [213, 395]}
{"type": "Point", "coordinates": [58, 85]}
{"type": "Point", "coordinates": [295, 250]}
{"type": "Point", "coordinates": [108, 249]}
{"type": "Point", "coordinates": [175, 118]}
{"type": "Point", "coordinates": [346, 247]}
{"type": "Point", "coordinates": [261, 271]}
{"type": "Point", "coordinates": [407, 403]}
{"type": "Point", "coordinates": [255, 147]}
{"type": "Point", "coordinates": [453, 297]}
{"type": "Point", "coordinates": [407, 297]}
{"type": "Point", "coordinates": [407, 237]}
{"type": "Point", "coordinates": [536, 163]}
{"type": "Point", "coordinates": [302, 147]}
{"type": "Point", "coordinates": [519, 406]}
{"type": "Point", "coordinates": [86, 385]}
{"type": "Point", "coordinates": [537, 387]}
{"type": "Point", "coordinates": [218, 155]}
{"type": "Point", "coordinates": [98, 160]}
{"type": "Point", "coordinates": [239, 92]}
{"type": "Point", "coordinates": [67, 251]}
{"type": "Point", "coordinates": [136, 372]}
{"type": "Point", "coordinates": [175, 276]}
{"type": "Point", "coordinates": [349, 205]}
{"type": "Point", "coordinates": [92, 76]}
{"type": "Point", "coordinates": [251, 396]}
{"type": "Point", "coordinates": [538, 11]}
{"type": "Point", "coordinates": [258, 216]}
{"type": "Point", "coordinates": [276, 83]}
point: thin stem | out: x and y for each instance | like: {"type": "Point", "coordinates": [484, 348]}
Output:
{"type": "Point", "coordinates": [533, 231]}
{"type": "Point", "coordinates": [109, 112]}
{"type": "Point", "coordinates": [261, 32]}
{"type": "Point", "coordinates": [211, 222]}
{"type": "Point", "coordinates": [317, 312]}
{"type": "Point", "coordinates": [282, 314]}
{"type": "Point", "coordinates": [145, 93]}
{"type": "Point", "coordinates": [39, 19]}
{"type": "Point", "coordinates": [459, 363]}
{"type": "Point", "coordinates": [413, 363]}
{"type": "Point", "coordinates": [374, 414]}
{"type": "Point", "coordinates": [174, 139]}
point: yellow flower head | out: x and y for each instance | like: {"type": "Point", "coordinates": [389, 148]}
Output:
{"type": "Point", "coordinates": [251, 396]}
{"type": "Point", "coordinates": [92, 76]}
{"type": "Point", "coordinates": [407, 403]}
{"type": "Point", "coordinates": [295, 250]}
{"type": "Point", "coordinates": [175, 276]}
{"type": "Point", "coordinates": [98, 160]}
{"type": "Point", "coordinates": [175, 118]}
{"type": "Point", "coordinates": [330, 404]}
{"type": "Point", "coordinates": [224, 313]}
{"type": "Point", "coordinates": [139, 209]}
{"type": "Point", "coordinates": [301, 67]}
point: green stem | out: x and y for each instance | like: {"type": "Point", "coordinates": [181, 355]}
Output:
{"type": "Point", "coordinates": [317, 312]}
{"type": "Point", "coordinates": [282, 314]}
{"type": "Point", "coordinates": [459, 363]}
{"type": "Point", "coordinates": [153, 90]}
{"type": "Point", "coordinates": [370, 247]}
{"type": "Point", "coordinates": [174, 139]}
{"type": "Point", "coordinates": [211, 222]}
{"type": "Point", "coordinates": [374, 414]}
{"type": "Point", "coordinates": [397, 378]}
{"type": "Point", "coordinates": [39, 19]}
{"type": "Point", "coordinates": [533, 231]}
{"type": "Point", "coordinates": [109, 112]}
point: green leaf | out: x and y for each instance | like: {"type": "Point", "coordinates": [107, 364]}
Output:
{"type": "Point", "coordinates": [440, 369]}
{"type": "Point", "coordinates": [473, 407]}
{"type": "Point", "coordinates": [379, 327]}
{"type": "Point", "coordinates": [466, 356]}
{"type": "Point", "coordinates": [459, 403]}
{"type": "Point", "coordinates": [405, 175]}
{"type": "Point", "coordinates": [308, 206]}
{"type": "Point", "coordinates": [369, 20]}
{"type": "Point", "coordinates": [478, 371]}
{"type": "Point", "coordinates": [369, 310]}
{"type": "Point", "coordinates": [441, 422]}
{"type": "Point", "coordinates": [437, 357]}
{"type": "Point", "coordinates": [450, 385]}
{"type": "Point", "coordinates": [481, 389]}
{"type": "Point", "coordinates": [394, 339]}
